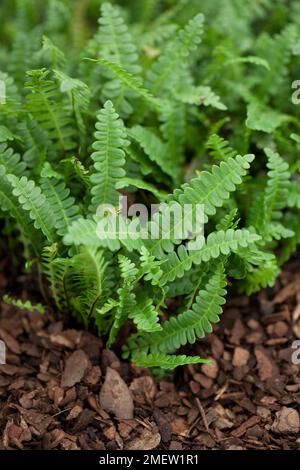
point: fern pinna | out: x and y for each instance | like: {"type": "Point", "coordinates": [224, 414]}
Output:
{"type": "Point", "coordinates": [134, 105]}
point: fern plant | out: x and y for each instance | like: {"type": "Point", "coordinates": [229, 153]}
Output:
{"type": "Point", "coordinates": [129, 101]}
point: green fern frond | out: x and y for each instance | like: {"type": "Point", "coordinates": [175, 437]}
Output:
{"type": "Point", "coordinates": [9, 203]}
{"type": "Point", "coordinates": [87, 282]}
{"type": "Point", "coordinates": [276, 231]}
{"type": "Point", "coordinates": [126, 182]}
{"type": "Point", "coordinates": [145, 316]}
{"type": "Point", "coordinates": [61, 204]}
{"type": "Point", "coordinates": [173, 128]}
{"type": "Point", "coordinates": [55, 270]}
{"type": "Point", "coordinates": [199, 95]}
{"type": "Point", "coordinates": [126, 305]}
{"type": "Point", "coordinates": [167, 362]}
{"type": "Point", "coordinates": [165, 70]}
{"type": "Point", "coordinates": [210, 189]}
{"type": "Point", "coordinates": [79, 95]}
{"type": "Point", "coordinates": [292, 243]}
{"type": "Point", "coordinates": [54, 55]}
{"type": "Point", "coordinates": [293, 197]}
{"type": "Point", "coordinates": [42, 105]}
{"type": "Point", "coordinates": [115, 41]}
{"type": "Point", "coordinates": [83, 232]}
{"type": "Point", "coordinates": [128, 268]}
{"type": "Point", "coordinates": [76, 170]}
{"type": "Point", "coordinates": [217, 244]}
{"type": "Point", "coordinates": [109, 157]}
{"type": "Point", "coordinates": [260, 277]}
{"type": "Point", "coordinates": [34, 142]}
{"type": "Point", "coordinates": [228, 221]}
{"type": "Point", "coordinates": [24, 305]}
{"type": "Point", "coordinates": [190, 325]}
{"type": "Point", "coordinates": [263, 118]}
{"type": "Point", "coordinates": [130, 81]}
{"type": "Point", "coordinates": [11, 161]}
{"type": "Point", "coordinates": [269, 205]}
{"type": "Point", "coordinates": [32, 200]}
{"type": "Point", "coordinates": [116, 45]}
{"type": "Point", "coordinates": [154, 148]}
{"type": "Point", "coordinates": [219, 148]}
{"type": "Point", "coordinates": [150, 268]}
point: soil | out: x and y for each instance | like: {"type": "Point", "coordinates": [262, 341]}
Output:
{"type": "Point", "coordinates": [61, 389]}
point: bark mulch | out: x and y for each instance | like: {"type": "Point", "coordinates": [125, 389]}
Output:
{"type": "Point", "coordinates": [60, 388]}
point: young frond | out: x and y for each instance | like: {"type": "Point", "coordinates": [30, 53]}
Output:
{"type": "Point", "coordinates": [219, 148]}
{"type": "Point", "coordinates": [87, 282]}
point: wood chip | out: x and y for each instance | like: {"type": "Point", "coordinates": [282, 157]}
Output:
{"type": "Point", "coordinates": [240, 357]}
{"type": "Point", "coordinates": [75, 368]}
{"type": "Point", "coordinates": [246, 425]}
{"type": "Point", "coordinates": [286, 421]}
{"type": "Point", "coordinates": [147, 441]}
{"type": "Point", "coordinates": [115, 396]}
{"type": "Point", "coordinates": [267, 367]}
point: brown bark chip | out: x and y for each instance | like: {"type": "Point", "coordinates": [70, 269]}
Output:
{"type": "Point", "coordinates": [246, 425]}
{"type": "Point", "coordinates": [286, 421]}
{"type": "Point", "coordinates": [75, 368]}
{"type": "Point", "coordinates": [211, 370]}
{"type": "Point", "coordinates": [10, 342]}
{"type": "Point", "coordinates": [240, 357]}
{"type": "Point", "coordinates": [147, 441]}
{"type": "Point", "coordinates": [115, 396]}
{"type": "Point", "coordinates": [267, 368]}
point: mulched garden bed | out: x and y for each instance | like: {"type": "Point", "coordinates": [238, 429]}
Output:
{"type": "Point", "coordinates": [249, 399]}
